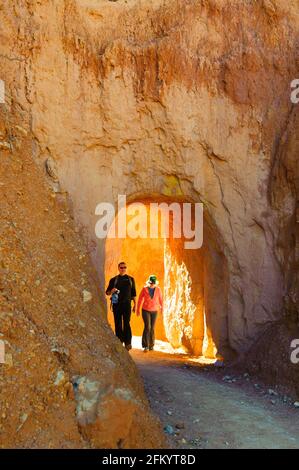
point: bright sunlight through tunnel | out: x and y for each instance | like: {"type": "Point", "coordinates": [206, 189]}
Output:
{"type": "Point", "coordinates": [181, 274]}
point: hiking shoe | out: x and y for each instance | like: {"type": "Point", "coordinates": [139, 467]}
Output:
{"type": "Point", "coordinates": [128, 347]}
{"type": "Point", "coordinates": [151, 349]}
{"type": "Point", "coordinates": [145, 350]}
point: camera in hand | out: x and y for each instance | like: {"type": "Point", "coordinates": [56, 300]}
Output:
{"type": "Point", "coordinates": [114, 297]}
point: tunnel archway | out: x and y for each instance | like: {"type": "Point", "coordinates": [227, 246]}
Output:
{"type": "Point", "coordinates": [194, 283]}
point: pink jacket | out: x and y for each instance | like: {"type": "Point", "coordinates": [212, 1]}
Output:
{"type": "Point", "coordinates": [148, 303]}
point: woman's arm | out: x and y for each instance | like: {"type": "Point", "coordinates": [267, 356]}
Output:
{"type": "Point", "coordinates": [140, 301]}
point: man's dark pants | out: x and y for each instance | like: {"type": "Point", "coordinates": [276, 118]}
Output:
{"type": "Point", "coordinates": [122, 316]}
{"type": "Point", "coordinates": [148, 337]}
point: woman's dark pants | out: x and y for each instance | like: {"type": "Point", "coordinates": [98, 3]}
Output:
{"type": "Point", "coordinates": [148, 337]}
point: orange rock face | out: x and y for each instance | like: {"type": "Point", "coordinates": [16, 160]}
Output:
{"type": "Point", "coordinates": [67, 381]}
{"type": "Point", "coordinates": [187, 100]}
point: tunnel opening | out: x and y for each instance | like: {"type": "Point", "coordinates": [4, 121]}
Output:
{"type": "Point", "coordinates": [193, 281]}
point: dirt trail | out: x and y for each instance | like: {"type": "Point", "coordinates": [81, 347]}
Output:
{"type": "Point", "coordinates": [211, 412]}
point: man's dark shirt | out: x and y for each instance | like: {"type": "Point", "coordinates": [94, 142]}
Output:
{"type": "Point", "coordinates": [123, 284]}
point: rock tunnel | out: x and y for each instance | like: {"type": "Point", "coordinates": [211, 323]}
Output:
{"type": "Point", "coordinates": [193, 281]}
{"type": "Point", "coordinates": [179, 131]}
{"type": "Point", "coordinates": [160, 101]}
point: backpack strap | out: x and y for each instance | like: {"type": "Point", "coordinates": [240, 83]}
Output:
{"type": "Point", "coordinates": [115, 281]}
{"type": "Point", "coordinates": [114, 285]}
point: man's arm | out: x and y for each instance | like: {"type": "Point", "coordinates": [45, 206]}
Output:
{"type": "Point", "coordinates": [133, 289]}
{"type": "Point", "coordinates": [133, 294]}
{"type": "Point", "coordinates": [110, 287]}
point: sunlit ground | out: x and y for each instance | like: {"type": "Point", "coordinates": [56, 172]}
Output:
{"type": "Point", "coordinates": [166, 348]}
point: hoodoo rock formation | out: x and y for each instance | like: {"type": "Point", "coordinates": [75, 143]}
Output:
{"type": "Point", "coordinates": [176, 101]}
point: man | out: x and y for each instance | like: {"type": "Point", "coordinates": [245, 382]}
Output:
{"type": "Point", "coordinates": [123, 291]}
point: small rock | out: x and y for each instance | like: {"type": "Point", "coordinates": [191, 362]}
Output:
{"type": "Point", "coordinates": [60, 378]}
{"type": "Point", "coordinates": [169, 413]}
{"type": "Point", "coordinates": [168, 429]}
{"type": "Point", "coordinates": [23, 419]}
{"type": "Point", "coordinates": [4, 145]}
{"type": "Point", "coordinates": [272, 392]}
{"type": "Point", "coordinates": [226, 377]}
{"type": "Point", "coordinates": [86, 296]}
{"type": "Point", "coordinates": [62, 353]}
{"type": "Point", "coordinates": [246, 374]}
{"type": "Point", "coordinates": [8, 360]}
{"type": "Point", "coordinates": [219, 363]}
{"type": "Point", "coordinates": [273, 402]}
{"type": "Point", "coordinates": [61, 289]}
{"type": "Point", "coordinates": [21, 129]}
{"type": "Point", "coordinates": [68, 386]}
{"type": "Point", "coordinates": [296, 404]}
{"type": "Point", "coordinates": [51, 168]}
{"type": "Point", "coordinates": [180, 425]}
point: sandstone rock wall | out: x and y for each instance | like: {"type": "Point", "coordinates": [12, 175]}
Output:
{"type": "Point", "coordinates": [124, 96]}
{"type": "Point", "coordinates": [66, 382]}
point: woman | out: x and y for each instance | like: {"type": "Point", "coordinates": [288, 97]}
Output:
{"type": "Point", "coordinates": [150, 299]}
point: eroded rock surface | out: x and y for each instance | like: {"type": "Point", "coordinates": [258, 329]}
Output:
{"type": "Point", "coordinates": [188, 99]}
{"type": "Point", "coordinates": [51, 333]}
